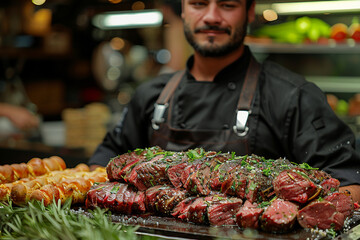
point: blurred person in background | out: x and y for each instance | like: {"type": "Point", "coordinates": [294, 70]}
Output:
{"type": "Point", "coordinates": [20, 117]}
{"type": "Point", "coordinates": [17, 112]}
{"type": "Point", "coordinates": [226, 101]}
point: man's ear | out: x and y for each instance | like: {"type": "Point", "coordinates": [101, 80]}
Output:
{"type": "Point", "coordinates": [251, 12]}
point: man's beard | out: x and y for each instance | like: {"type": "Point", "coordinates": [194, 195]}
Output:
{"type": "Point", "coordinates": [215, 50]}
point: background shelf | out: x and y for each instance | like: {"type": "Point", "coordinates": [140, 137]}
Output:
{"type": "Point", "coordinates": [350, 47]}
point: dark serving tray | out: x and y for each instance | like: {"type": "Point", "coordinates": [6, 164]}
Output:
{"type": "Point", "coordinates": [170, 228]}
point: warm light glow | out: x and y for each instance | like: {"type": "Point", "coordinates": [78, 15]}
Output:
{"type": "Point", "coordinates": [270, 15]}
{"type": "Point", "coordinates": [117, 43]}
{"type": "Point", "coordinates": [138, 5]}
{"type": "Point", "coordinates": [38, 2]}
{"type": "Point", "coordinates": [115, 1]}
{"type": "Point", "coordinates": [124, 97]}
{"type": "Point", "coordinates": [128, 19]}
{"type": "Point", "coordinates": [39, 23]}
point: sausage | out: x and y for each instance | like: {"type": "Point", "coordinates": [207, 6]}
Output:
{"type": "Point", "coordinates": [34, 167]}
{"type": "Point", "coordinates": [20, 191]}
{"type": "Point", "coordinates": [75, 188]}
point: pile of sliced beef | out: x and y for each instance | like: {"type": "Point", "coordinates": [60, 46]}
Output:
{"type": "Point", "coordinates": [222, 189]}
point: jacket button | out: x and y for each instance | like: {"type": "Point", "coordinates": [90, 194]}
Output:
{"type": "Point", "coordinates": [231, 86]}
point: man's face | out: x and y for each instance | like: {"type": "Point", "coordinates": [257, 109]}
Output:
{"type": "Point", "coordinates": [215, 27]}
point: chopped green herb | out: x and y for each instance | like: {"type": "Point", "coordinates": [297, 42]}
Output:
{"type": "Point", "coordinates": [115, 189]}
{"type": "Point", "coordinates": [252, 186]}
{"type": "Point", "coordinates": [307, 166]}
{"type": "Point", "coordinates": [194, 154]}
{"type": "Point", "coordinates": [217, 166]}
{"type": "Point", "coordinates": [233, 186]}
{"type": "Point", "coordinates": [139, 151]}
{"type": "Point", "coordinates": [264, 204]}
{"type": "Point", "coordinates": [331, 233]}
{"type": "Point", "coordinates": [267, 171]}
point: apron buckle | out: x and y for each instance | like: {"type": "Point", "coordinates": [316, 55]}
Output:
{"type": "Point", "coordinates": [158, 115]}
{"type": "Point", "coordinates": [241, 119]}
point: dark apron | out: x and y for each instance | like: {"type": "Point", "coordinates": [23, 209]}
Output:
{"type": "Point", "coordinates": [228, 140]}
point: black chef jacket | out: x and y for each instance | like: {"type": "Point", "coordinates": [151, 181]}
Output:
{"type": "Point", "coordinates": [294, 120]}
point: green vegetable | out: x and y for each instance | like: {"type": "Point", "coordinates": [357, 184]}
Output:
{"type": "Point", "coordinates": [296, 31]}
{"type": "Point", "coordinates": [303, 24]}
{"type": "Point", "coordinates": [314, 34]}
{"type": "Point", "coordinates": [342, 108]}
{"type": "Point", "coordinates": [282, 32]}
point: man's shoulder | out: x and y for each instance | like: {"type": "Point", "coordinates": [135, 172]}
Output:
{"type": "Point", "coordinates": [157, 83]}
{"type": "Point", "coordinates": [149, 91]}
{"type": "Point", "coordinates": [287, 84]}
{"type": "Point", "coordinates": [278, 73]}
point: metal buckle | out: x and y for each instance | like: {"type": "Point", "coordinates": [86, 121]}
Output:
{"type": "Point", "coordinates": [158, 115]}
{"type": "Point", "coordinates": [241, 119]}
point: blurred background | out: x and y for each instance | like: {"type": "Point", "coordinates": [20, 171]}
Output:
{"type": "Point", "coordinates": [76, 63]}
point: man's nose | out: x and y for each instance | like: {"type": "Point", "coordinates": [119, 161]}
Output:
{"type": "Point", "coordinates": [212, 15]}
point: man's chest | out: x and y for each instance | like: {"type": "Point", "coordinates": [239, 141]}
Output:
{"type": "Point", "coordinates": [205, 105]}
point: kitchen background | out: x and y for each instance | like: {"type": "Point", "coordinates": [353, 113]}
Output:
{"type": "Point", "coordinates": [60, 59]}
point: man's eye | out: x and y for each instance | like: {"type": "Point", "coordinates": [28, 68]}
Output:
{"type": "Point", "coordinates": [198, 4]}
{"type": "Point", "coordinates": [228, 6]}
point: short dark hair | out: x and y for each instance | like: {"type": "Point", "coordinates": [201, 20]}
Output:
{"type": "Point", "coordinates": [248, 3]}
{"type": "Point", "coordinates": [174, 4]}
{"type": "Point", "coordinates": [177, 2]}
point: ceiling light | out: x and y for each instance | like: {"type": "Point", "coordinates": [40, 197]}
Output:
{"type": "Point", "coordinates": [313, 7]}
{"type": "Point", "coordinates": [128, 19]}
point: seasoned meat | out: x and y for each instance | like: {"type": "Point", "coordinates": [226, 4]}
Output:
{"type": "Point", "coordinates": [343, 203]}
{"type": "Point", "coordinates": [117, 197]}
{"type": "Point", "coordinates": [222, 211]}
{"type": "Point", "coordinates": [209, 188]}
{"type": "Point", "coordinates": [330, 185]}
{"type": "Point", "coordinates": [279, 217]}
{"type": "Point", "coordinates": [248, 215]}
{"type": "Point", "coordinates": [163, 199]}
{"type": "Point", "coordinates": [293, 186]}
{"type": "Point", "coordinates": [321, 214]}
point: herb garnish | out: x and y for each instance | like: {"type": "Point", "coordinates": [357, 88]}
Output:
{"type": "Point", "coordinates": [35, 221]}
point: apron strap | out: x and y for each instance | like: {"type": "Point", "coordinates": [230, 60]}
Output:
{"type": "Point", "coordinates": [246, 97]}
{"type": "Point", "coordinates": [162, 102]}
{"type": "Point", "coordinates": [170, 88]}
